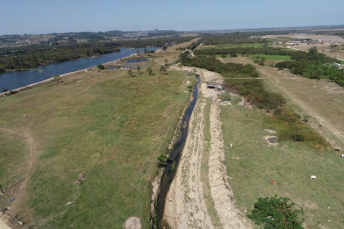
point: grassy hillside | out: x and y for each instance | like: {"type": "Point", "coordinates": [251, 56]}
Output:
{"type": "Point", "coordinates": [107, 125]}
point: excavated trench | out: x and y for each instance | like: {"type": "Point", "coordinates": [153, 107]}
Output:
{"type": "Point", "coordinates": [173, 161]}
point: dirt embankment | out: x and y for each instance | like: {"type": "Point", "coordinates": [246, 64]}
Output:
{"type": "Point", "coordinates": [186, 205]}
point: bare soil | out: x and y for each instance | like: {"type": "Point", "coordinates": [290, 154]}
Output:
{"type": "Point", "coordinates": [132, 223]}
{"type": "Point", "coordinates": [2, 224]}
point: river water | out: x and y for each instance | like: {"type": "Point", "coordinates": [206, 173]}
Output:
{"type": "Point", "coordinates": [174, 158]}
{"type": "Point", "coordinates": [13, 80]}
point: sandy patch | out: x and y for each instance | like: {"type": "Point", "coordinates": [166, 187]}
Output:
{"type": "Point", "coordinates": [3, 225]}
{"type": "Point", "coordinates": [132, 223]}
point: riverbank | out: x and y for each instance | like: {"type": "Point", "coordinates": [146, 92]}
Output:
{"type": "Point", "coordinates": [13, 80]}
{"type": "Point", "coordinates": [30, 86]}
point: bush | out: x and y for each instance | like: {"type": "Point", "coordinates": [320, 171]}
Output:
{"type": "Point", "coordinates": [162, 160]}
{"type": "Point", "coordinates": [291, 126]}
{"type": "Point", "coordinates": [225, 97]}
{"type": "Point", "coordinates": [100, 66]}
{"type": "Point", "coordinates": [276, 213]}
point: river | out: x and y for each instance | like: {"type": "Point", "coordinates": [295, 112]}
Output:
{"type": "Point", "coordinates": [13, 80]}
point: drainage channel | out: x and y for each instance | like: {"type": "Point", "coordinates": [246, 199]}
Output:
{"type": "Point", "coordinates": [173, 161]}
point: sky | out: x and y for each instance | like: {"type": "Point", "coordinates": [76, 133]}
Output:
{"type": "Point", "coordinates": [40, 17]}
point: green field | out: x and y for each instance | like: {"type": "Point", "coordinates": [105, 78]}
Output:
{"type": "Point", "coordinates": [271, 57]}
{"type": "Point", "coordinates": [105, 124]}
{"type": "Point", "coordinates": [228, 46]}
{"type": "Point", "coordinates": [252, 164]}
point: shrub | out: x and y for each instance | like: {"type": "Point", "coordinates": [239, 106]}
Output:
{"type": "Point", "coordinates": [131, 73]}
{"type": "Point", "coordinates": [291, 126]}
{"type": "Point", "coordinates": [100, 66]}
{"type": "Point", "coordinates": [162, 160]}
{"type": "Point", "coordinates": [225, 97]}
{"type": "Point", "coordinates": [276, 213]}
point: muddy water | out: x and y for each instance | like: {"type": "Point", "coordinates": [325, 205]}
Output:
{"type": "Point", "coordinates": [175, 154]}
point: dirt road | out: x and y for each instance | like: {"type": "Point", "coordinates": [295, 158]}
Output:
{"type": "Point", "coordinates": [186, 205]}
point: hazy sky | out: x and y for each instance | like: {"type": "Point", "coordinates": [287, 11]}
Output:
{"type": "Point", "coordinates": [47, 16]}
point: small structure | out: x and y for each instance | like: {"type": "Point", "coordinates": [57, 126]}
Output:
{"type": "Point", "coordinates": [214, 86]}
{"type": "Point", "coordinates": [342, 155]}
{"type": "Point", "coordinates": [313, 177]}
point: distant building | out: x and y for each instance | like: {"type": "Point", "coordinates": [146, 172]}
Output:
{"type": "Point", "coordinates": [170, 43]}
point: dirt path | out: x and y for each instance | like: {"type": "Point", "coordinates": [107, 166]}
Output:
{"type": "Point", "coordinates": [185, 205]}
{"type": "Point", "coordinates": [19, 192]}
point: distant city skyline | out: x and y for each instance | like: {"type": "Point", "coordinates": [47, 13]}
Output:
{"type": "Point", "coordinates": [41, 17]}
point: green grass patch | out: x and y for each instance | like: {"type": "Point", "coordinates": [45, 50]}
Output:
{"type": "Point", "coordinates": [270, 57]}
{"type": "Point", "coordinates": [252, 164]}
{"type": "Point", "coordinates": [228, 46]}
{"type": "Point", "coordinates": [12, 155]}
{"type": "Point", "coordinates": [251, 45]}
{"type": "Point", "coordinates": [224, 56]}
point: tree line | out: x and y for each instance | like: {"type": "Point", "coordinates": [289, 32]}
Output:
{"type": "Point", "coordinates": [230, 70]}
{"type": "Point", "coordinates": [309, 64]}
{"type": "Point", "coordinates": [314, 65]}
{"type": "Point", "coordinates": [25, 57]}
{"type": "Point", "coordinates": [32, 56]}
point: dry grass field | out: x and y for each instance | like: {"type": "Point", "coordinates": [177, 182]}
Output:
{"type": "Point", "coordinates": [105, 124]}
{"type": "Point", "coordinates": [322, 101]}
{"type": "Point", "coordinates": [252, 163]}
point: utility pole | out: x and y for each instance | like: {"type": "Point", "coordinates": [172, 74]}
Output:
{"type": "Point", "coordinates": [1, 189]}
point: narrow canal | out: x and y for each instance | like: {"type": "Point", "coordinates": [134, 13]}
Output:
{"type": "Point", "coordinates": [174, 159]}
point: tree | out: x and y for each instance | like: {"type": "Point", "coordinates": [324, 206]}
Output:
{"type": "Point", "coordinates": [100, 66]}
{"type": "Point", "coordinates": [185, 56]}
{"type": "Point", "coordinates": [150, 71]}
{"type": "Point", "coordinates": [130, 73]}
{"type": "Point", "coordinates": [313, 54]}
{"type": "Point", "coordinates": [162, 160]}
{"type": "Point", "coordinates": [138, 68]}
{"type": "Point", "coordinates": [262, 61]}
{"type": "Point", "coordinates": [163, 69]}
{"type": "Point", "coordinates": [276, 213]}
{"type": "Point", "coordinates": [164, 48]}
{"type": "Point", "coordinates": [166, 62]}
